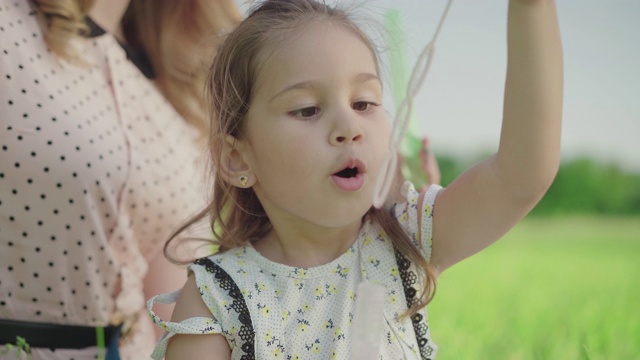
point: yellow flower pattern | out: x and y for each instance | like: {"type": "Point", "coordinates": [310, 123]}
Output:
{"type": "Point", "coordinates": [277, 353]}
{"type": "Point", "coordinates": [306, 313]}
{"type": "Point", "coordinates": [392, 298]}
{"type": "Point", "coordinates": [303, 326]}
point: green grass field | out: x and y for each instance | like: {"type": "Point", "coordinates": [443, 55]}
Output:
{"type": "Point", "coordinates": [553, 288]}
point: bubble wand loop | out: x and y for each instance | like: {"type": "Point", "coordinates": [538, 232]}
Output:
{"type": "Point", "coordinates": [419, 73]}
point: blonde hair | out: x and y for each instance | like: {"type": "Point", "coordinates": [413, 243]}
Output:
{"type": "Point", "coordinates": [178, 37]}
{"type": "Point", "coordinates": [64, 21]}
{"type": "Point", "coordinates": [236, 215]}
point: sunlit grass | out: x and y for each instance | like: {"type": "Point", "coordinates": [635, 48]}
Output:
{"type": "Point", "coordinates": [553, 288]}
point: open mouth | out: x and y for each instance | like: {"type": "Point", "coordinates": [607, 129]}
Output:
{"type": "Point", "coordinates": [347, 172]}
{"type": "Point", "coordinates": [351, 178]}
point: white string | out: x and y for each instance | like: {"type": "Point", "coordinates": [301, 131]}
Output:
{"type": "Point", "coordinates": [387, 172]}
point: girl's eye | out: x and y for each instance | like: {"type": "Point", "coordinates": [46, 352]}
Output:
{"type": "Point", "coordinates": [305, 112]}
{"type": "Point", "coordinates": [362, 105]}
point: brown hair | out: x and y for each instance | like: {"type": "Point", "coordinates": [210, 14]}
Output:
{"type": "Point", "coordinates": [236, 215]}
{"type": "Point", "coordinates": [177, 36]}
{"type": "Point", "coordinates": [64, 21]}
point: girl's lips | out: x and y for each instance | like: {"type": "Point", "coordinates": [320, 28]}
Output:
{"type": "Point", "coordinates": [349, 184]}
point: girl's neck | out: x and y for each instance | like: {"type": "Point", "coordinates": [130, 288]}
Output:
{"type": "Point", "coordinates": [108, 14]}
{"type": "Point", "coordinates": [307, 249]}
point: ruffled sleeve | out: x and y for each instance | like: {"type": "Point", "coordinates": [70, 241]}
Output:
{"type": "Point", "coordinates": [408, 214]}
{"type": "Point", "coordinates": [195, 325]}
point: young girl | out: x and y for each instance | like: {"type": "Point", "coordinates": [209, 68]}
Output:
{"type": "Point", "coordinates": [298, 139]}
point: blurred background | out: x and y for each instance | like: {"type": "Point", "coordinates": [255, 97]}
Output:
{"type": "Point", "coordinates": [460, 105]}
{"type": "Point", "coordinates": [565, 282]}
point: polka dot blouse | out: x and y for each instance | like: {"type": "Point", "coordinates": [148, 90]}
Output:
{"type": "Point", "coordinates": [96, 170]}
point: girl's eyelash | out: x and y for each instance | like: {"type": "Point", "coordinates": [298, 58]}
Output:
{"type": "Point", "coordinates": [311, 111]}
{"type": "Point", "coordinates": [304, 112]}
{"type": "Point", "coordinates": [369, 104]}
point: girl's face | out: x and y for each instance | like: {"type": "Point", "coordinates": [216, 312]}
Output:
{"type": "Point", "coordinates": [316, 132]}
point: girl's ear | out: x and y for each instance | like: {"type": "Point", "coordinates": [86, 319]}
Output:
{"type": "Point", "coordinates": [233, 166]}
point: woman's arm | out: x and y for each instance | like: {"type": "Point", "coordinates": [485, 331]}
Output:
{"type": "Point", "coordinates": [162, 277]}
{"type": "Point", "coordinates": [482, 204]}
{"type": "Point", "coordinates": [185, 347]}
{"type": "Point", "coordinates": [430, 165]}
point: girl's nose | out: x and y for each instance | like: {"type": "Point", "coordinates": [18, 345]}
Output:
{"type": "Point", "coordinates": [346, 139]}
{"type": "Point", "coordinates": [346, 131]}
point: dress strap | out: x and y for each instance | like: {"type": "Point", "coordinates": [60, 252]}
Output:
{"type": "Point", "coordinates": [419, 320]}
{"type": "Point", "coordinates": [208, 276]}
{"type": "Point", "coordinates": [246, 333]}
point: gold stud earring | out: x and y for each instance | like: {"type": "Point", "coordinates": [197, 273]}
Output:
{"type": "Point", "coordinates": [243, 180]}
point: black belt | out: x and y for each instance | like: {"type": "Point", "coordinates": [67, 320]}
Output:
{"type": "Point", "coordinates": [54, 336]}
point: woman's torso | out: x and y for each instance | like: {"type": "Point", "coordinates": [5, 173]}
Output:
{"type": "Point", "coordinates": [96, 169]}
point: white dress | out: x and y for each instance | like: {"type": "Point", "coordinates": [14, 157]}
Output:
{"type": "Point", "coordinates": [96, 170]}
{"type": "Point", "coordinates": [267, 310]}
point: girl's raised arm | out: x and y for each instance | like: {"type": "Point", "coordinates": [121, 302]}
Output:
{"type": "Point", "coordinates": [482, 204]}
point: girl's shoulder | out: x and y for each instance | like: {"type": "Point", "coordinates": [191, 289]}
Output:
{"type": "Point", "coordinates": [415, 214]}
{"type": "Point", "coordinates": [412, 200]}
{"type": "Point", "coordinates": [233, 260]}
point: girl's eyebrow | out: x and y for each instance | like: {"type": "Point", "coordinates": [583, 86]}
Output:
{"type": "Point", "coordinates": [364, 77]}
{"type": "Point", "coordinates": [310, 84]}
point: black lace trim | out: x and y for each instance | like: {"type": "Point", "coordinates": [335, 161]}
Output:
{"type": "Point", "coordinates": [246, 333]}
{"type": "Point", "coordinates": [420, 327]}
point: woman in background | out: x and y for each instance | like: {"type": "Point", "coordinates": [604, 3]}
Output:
{"type": "Point", "coordinates": [429, 164]}
{"type": "Point", "coordinates": [102, 128]}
